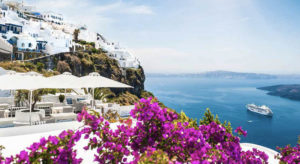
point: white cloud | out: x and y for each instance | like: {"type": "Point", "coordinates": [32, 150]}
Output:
{"type": "Point", "coordinates": [142, 9]}
{"type": "Point", "coordinates": [127, 8]}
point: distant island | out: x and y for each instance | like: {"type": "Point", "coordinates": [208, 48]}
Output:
{"type": "Point", "coordinates": [224, 75]}
{"type": "Point", "coordinates": [286, 91]}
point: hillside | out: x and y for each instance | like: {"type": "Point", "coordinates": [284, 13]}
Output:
{"type": "Point", "coordinates": [286, 91]}
{"type": "Point", "coordinates": [82, 63]}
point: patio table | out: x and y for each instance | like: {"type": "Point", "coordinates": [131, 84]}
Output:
{"type": "Point", "coordinates": [46, 106]}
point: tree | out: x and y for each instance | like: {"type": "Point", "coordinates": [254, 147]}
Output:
{"type": "Point", "coordinates": [23, 96]}
{"type": "Point", "coordinates": [102, 94]}
{"type": "Point", "coordinates": [76, 33]}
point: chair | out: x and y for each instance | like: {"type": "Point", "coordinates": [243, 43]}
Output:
{"type": "Point", "coordinates": [69, 101]}
{"type": "Point", "coordinates": [13, 109]}
{"type": "Point", "coordinates": [58, 109]}
{"type": "Point", "coordinates": [46, 106]}
{"type": "Point", "coordinates": [2, 114]}
{"type": "Point", "coordinates": [79, 107]}
{"type": "Point", "coordinates": [68, 109]}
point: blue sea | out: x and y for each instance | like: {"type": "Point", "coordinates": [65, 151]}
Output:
{"type": "Point", "coordinates": [227, 98]}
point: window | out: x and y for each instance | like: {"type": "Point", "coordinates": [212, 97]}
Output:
{"type": "Point", "coordinates": [23, 45]}
{"type": "Point", "coordinates": [3, 28]}
{"type": "Point", "coordinates": [29, 45]}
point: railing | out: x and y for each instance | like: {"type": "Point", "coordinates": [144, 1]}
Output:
{"type": "Point", "coordinates": [29, 50]}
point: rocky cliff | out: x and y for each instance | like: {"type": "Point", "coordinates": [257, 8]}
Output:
{"type": "Point", "coordinates": [82, 63]}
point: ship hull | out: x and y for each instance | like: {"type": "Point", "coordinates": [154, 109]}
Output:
{"type": "Point", "coordinates": [265, 114]}
{"type": "Point", "coordinates": [259, 110]}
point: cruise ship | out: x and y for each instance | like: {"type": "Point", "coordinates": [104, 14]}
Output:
{"type": "Point", "coordinates": [264, 110]}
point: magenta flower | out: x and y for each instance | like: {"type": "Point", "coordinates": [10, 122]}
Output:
{"type": "Point", "coordinates": [240, 131]}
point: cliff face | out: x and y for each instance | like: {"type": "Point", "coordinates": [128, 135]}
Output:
{"type": "Point", "coordinates": [83, 63]}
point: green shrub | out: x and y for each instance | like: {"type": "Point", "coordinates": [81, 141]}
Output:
{"type": "Point", "coordinates": [40, 66]}
{"type": "Point", "coordinates": [154, 157]}
{"type": "Point", "coordinates": [92, 44]}
{"type": "Point", "coordinates": [87, 61]}
{"type": "Point", "coordinates": [95, 51]}
{"type": "Point", "coordinates": [183, 118]}
{"type": "Point", "coordinates": [146, 94]}
{"type": "Point", "coordinates": [83, 42]}
{"type": "Point", "coordinates": [209, 117]}
{"type": "Point", "coordinates": [29, 66]}
{"type": "Point", "coordinates": [62, 66]}
{"type": "Point", "coordinates": [61, 98]}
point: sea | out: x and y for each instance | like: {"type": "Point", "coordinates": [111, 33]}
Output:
{"type": "Point", "coordinates": [227, 98]}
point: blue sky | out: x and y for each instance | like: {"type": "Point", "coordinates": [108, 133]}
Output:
{"type": "Point", "coordinates": [177, 36]}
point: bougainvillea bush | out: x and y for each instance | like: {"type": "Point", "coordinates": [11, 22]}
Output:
{"type": "Point", "coordinates": [155, 136]}
{"type": "Point", "coordinates": [289, 154]}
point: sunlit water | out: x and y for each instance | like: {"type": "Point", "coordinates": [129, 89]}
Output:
{"type": "Point", "coordinates": [227, 98]}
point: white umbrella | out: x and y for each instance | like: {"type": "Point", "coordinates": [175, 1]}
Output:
{"type": "Point", "coordinates": [94, 80]}
{"type": "Point", "coordinates": [27, 81]}
{"type": "Point", "coordinates": [66, 80]}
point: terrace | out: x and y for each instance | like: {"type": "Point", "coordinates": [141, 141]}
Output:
{"type": "Point", "coordinates": [18, 109]}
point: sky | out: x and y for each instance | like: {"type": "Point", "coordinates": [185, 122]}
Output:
{"type": "Point", "coordinates": [190, 36]}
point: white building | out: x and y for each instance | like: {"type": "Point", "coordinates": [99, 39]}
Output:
{"type": "Point", "coordinates": [26, 43]}
{"type": "Point", "coordinates": [29, 30]}
{"type": "Point", "coordinates": [53, 18]}
{"type": "Point", "coordinates": [57, 41]}
{"type": "Point", "coordinates": [87, 35]}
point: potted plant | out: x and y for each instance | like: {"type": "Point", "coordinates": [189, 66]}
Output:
{"type": "Point", "coordinates": [61, 98]}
